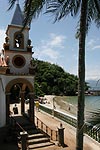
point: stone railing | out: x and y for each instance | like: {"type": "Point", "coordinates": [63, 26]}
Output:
{"type": "Point", "coordinates": [53, 134]}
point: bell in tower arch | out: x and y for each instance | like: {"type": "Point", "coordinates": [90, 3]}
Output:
{"type": "Point", "coordinates": [18, 40]}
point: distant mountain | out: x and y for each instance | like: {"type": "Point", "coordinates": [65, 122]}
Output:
{"type": "Point", "coordinates": [94, 84]}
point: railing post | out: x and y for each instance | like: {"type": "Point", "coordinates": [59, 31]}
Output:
{"type": "Point", "coordinates": [99, 135]}
{"type": "Point", "coordinates": [96, 136]}
{"type": "Point", "coordinates": [51, 134]}
{"type": "Point", "coordinates": [41, 125]}
{"type": "Point", "coordinates": [46, 129]}
{"type": "Point", "coordinates": [24, 136]}
{"type": "Point", "coordinates": [37, 122]}
{"type": "Point", "coordinates": [56, 135]}
{"type": "Point", "coordinates": [61, 135]}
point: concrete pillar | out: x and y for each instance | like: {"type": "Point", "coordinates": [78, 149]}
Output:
{"type": "Point", "coordinates": [24, 144]}
{"type": "Point", "coordinates": [7, 107]}
{"type": "Point", "coordinates": [61, 135]}
{"type": "Point", "coordinates": [22, 93]}
{"type": "Point", "coordinates": [31, 107]}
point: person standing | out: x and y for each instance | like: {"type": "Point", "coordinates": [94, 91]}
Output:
{"type": "Point", "coordinates": [37, 105]}
{"type": "Point", "coordinates": [15, 109]}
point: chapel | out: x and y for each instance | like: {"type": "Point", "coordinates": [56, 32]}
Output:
{"type": "Point", "coordinates": [17, 72]}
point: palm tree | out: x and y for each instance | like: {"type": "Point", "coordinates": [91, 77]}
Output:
{"type": "Point", "coordinates": [89, 11]}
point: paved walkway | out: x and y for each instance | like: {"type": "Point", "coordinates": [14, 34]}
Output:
{"type": "Point", "coordinates": [69, 132]}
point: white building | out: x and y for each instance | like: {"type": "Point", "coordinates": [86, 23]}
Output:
{"type": "Point", "coordinates": [16, 69]}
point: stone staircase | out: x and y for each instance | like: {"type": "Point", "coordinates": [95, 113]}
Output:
{"type": "Point", "coordinates": [37, 139]}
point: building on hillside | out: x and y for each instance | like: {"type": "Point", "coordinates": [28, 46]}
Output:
{"type": "Point", "coordinates": [16, 69]}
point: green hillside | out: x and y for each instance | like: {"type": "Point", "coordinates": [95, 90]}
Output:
{"type": "Point", "coordinates": [52, 79]}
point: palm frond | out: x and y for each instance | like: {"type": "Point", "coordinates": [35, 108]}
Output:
{"type": "Point", "coordinates": [97, 4]}
{"type": "Point", "coordinates": [92, 14]}
{"type": "Point", "coordinates": [61, 8]}
{"type": "Point", "coordinates": [95, 11]}
{"type": "Point", "coordinates": [27, 8]}
{"type": "Point", "coordinates": [32, 9]}
{"type": "Point", "coordinates": [11, 4]}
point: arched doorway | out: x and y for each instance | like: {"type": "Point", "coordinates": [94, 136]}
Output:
{"type": "Point", "coordinates": [17, 91]}
{"type": "Point", "coordinates": [15, 94]}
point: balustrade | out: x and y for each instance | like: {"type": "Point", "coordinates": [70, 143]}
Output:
{"type": "Point", "coordinates": [53, 134]}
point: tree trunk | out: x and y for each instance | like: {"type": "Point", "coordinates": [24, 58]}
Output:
{"type": "Point", "coordinates": [81, 76]}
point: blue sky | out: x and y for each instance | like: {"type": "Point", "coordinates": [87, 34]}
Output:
{"type": "Point", "coordinates": [56, 43]}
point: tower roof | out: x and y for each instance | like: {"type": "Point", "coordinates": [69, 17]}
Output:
{"type": "Point", "coordinates": [18, 17]}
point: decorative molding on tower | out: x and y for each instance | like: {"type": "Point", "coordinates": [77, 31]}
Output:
{"type": "Point", "coordinates": [17, 46]}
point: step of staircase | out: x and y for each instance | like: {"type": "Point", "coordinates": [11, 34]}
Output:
{"type": "Point", "coordinates": [38, 140]}
{"type": "Point", "coordinates": [40, 145]}
{"type": "Point", "coordinates": [38, 135]}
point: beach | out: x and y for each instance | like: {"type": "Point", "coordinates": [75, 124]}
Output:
{"type": "Point", "coordinates": [56, 102]}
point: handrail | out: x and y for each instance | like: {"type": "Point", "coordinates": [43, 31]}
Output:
{"type": "Point", "coordinates": [17, 123]}
{"type": "Point", "coordinates": [53, 134]}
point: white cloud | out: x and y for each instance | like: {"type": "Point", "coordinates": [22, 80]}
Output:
{"type": "Point", "coordinates": [56, 40]}
{"type": "Point", "coordinates": [93, 44]}
{"type": "Point", "coordinates": [47, 54]}
{"type": "Point", "coordinates": [51, 53]}
{"type": "Point", "coordinates": [50, 49]}
{"type": "Point", "coordinates": [96, 47]}
{"type": "Point", "coordinates": [2, 38]}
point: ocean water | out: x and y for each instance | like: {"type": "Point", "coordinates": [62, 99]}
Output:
{"type": "Point", "coordinates": [92, 103]}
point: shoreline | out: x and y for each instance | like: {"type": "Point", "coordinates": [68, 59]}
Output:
{"type": "Point", "coordinates": [60, 104]}
{"type": "Point", "coordinates": [63, 106]}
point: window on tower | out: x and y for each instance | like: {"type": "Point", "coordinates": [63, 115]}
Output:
{"type": "Point", "coordinates": [18, 40]}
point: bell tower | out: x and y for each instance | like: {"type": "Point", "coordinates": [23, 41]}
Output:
{"type": "Point", "coordinates": [17, 44]}
{"type": "Point", "coordinates": [17, 70]}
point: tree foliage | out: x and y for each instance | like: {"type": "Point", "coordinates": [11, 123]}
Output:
{"type": "Point", "coordinates": [52, 79]}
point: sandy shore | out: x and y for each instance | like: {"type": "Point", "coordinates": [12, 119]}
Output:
{"type": "Point", "coordinates": [62, 105]}
{"type": "Point", "coordinates": [58, 103]}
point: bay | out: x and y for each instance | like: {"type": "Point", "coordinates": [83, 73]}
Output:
{"type": "Point", "coordinates": [92, 103]}
{"type": "Point", "coordinates": [69, 104]}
